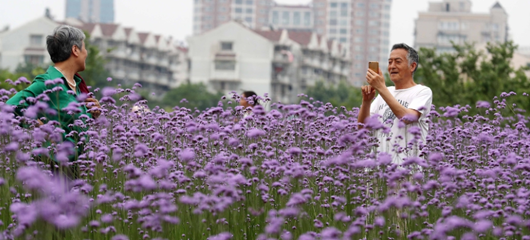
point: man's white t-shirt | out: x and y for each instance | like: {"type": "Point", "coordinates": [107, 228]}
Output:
{"type": "Point", "coordinates": [419, 98]}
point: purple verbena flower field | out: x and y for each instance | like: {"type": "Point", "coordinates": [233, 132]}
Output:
{"type": "Point", "coordinates": [301, 171]}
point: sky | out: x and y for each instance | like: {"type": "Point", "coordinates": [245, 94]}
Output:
{"type": "Point", "coordinates": [174, 17]}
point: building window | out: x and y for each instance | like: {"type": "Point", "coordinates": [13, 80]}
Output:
{"type": "Point", "coordinates": [225, 65]}
{"type": "Point", "coordinates": [296, 18]}
{"type": "Point", "coordinates": [333, 22]}
{"type": "Point", "coordinates": [359, 22]}
{"type": "Point", "coordinates": [344, 12]}
{"type": "Point", "coordinates": [239, 1]}
{"type": "Point", "coordinates": [226, 46]}
{"type": "Point", "coordinates": [222, 9]}
{"type": "Point", "coordinates": [275, 17]}
{"type": "Point", "coordinates": [373, 23]}
{"type": "Point", "coordinates": [343, 40]}
{"type": "Point", "coordinates": [307, 18]}
{"type": "Point", "coordinates": [374, 14]}
{"type": "Point", "coordinates": [360, 5]}
{"type": "Point", "coordinates": [358, 39]}
{"type": "Point", "coordinates": [333, 5]}
{"type": "Point", "coordinates": [35, 40]}
{"type": "Point", "coordinates": [248, 19]}
{"type": "Point", "coordinates": [250, 2]}
{"type": "Point", "coordinates": [344, 22]}
{"type": "Point", "coordinates": [221, 18]}
{"type": "Point", "coordinates": [359, 30]}
{"type": "Point", "coordinates": [332, 31]}
{"type": "Point", "coordinates": [359, 14]}
{"type": "Point", "coordinates": [262, 20]}
{"type": "Point", "coordinates": [239, 10]}
{"type": "Point", "coordinates": [374, 5]}
{"type": "Point", "coordinates": [343, 5]}
{"type": "Point", "coordinates": [343, 31]}
{"type": "Point", "coordinates": [387, 7]}
{"type": "Point", "coordinates": [374, 32]}
{"type": "Point", "coordinates": [333, 14]}
{"type": "Point", "coordinates": [448, 25]}
{"type": "Point", "coordinates": [34, 59]}
{"type": "Point", "coordinates": [285, 18]}
{"type": "Point", "coordinates": [249, 10]}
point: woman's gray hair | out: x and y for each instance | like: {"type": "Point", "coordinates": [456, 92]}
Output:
{"type": "Point", "coordinates": [62, 40]}
{"type": "Point", "coordinates": [412, 54]}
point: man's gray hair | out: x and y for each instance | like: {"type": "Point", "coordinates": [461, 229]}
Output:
{"type": "Point", "coordinates": [62, 40]}
{"type": "Point", "coordinates": [412, 54]}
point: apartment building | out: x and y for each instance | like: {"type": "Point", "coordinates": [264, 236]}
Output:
{"type": "Point", "coordinates": [292, 17]}
{"type": "Point", "coordinates": [452, 21]}
{"type": "Point", "coordinates": [146, 58]}
{"type": "Point", "coordinates": [362, 26]}
{"type": "Point", "coordinates": [209, 14]}
{"type": "Point", "coordinates": [93, 11]}
{"type": "Point", "coordinates": [282, 63]}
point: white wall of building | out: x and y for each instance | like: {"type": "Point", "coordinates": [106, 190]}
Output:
{"type": "Point", "coordinates": [19, 43]}
{"type": "Point", "coordinates": [253, 56]}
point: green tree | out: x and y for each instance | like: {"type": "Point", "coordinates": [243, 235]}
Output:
{"type": "Point", "coordinates": [95, 74]}
{"type": "Point", "coordinates": [196, 95]}
{"type": "Point", "coordinates": [470, 75]}
{"type": "Point", "coordinates": [342, 94]}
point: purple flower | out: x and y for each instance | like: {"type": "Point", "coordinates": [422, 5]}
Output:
{"type": "Point", "coordinates": [120, 237]}
{"type": "Point", "coordinates": [187, 155]}
{"type": "Point", "coordinates": [483, 104]}
{"type": "Point", "coordinates": [255, 133]}
{"type": "Point", "coordinates": [108, 91]}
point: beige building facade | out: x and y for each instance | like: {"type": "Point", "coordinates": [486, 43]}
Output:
{"type": "Point", "coordinates": [452, 21]}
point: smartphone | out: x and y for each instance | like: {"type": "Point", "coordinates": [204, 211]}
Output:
{"type": "Point", "coordinates": [374, 66]}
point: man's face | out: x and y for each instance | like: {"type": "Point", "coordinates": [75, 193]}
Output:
{"type": "Point", "coordinates": [398, 65]}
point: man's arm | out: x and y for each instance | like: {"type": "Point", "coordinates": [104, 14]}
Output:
{"type": "Point", "coordinates": [399, 110]}
{"type": "Point", "coordinates": [368, 95]}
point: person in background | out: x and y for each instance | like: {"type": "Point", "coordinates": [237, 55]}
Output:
{"type": "Point", "coordinates": [140, 107]}
{"type": "Point", "coordinates": [405, 101]}
{"type": "Point", "coordinates": [249, 100]}
{"type": "Point", "coordinates": [62, 84]}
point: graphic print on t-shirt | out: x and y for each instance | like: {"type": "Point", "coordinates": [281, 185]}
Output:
{"type": "Point", "coordinates": [388, 114]}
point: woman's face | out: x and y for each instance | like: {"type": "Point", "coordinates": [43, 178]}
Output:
{"type": "Point", "coordinates": [243, 102]}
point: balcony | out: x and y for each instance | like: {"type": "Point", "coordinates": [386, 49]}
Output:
{"type": "Point", "coordinates": [282, 79]}
{"type": "Point", "coordinates": [224, 75]}
{"type": "Point", "coordinates": [152, 60]}
{"type": "Point", "coordinates": [134, 56]}
{"type": "Point", "coordinates": [133, 75]}
{"type": "Point", "coordinates": [281, 58]}
{"type": "Point", "coordinates": [118, 74]}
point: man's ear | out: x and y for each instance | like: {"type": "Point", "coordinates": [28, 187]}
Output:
{"type": "Point", "coordinates": [413, 66]}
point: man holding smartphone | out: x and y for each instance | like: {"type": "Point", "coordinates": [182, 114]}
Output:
{"type": "Point", "coordinates": [401, 108]}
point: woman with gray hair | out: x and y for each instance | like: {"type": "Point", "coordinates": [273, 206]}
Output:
{"type": "Point", "coordinates": [61, 84]}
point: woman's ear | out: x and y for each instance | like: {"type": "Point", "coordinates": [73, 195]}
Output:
{"type": "Point", "coordinates": [75, 50]}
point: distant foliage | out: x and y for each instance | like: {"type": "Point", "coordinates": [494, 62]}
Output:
{"type": "Point", "coordinates": [342, 94]}
{"type": "Point", "coordinates": [469, 76]}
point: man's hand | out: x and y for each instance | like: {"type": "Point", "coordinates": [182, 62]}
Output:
{"type": "Point", "coordinates": [93, 103]}
{"type": "Point", "coordinates": [368, 93]}
{"type": "Point", "coordinates": [376, 80]}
